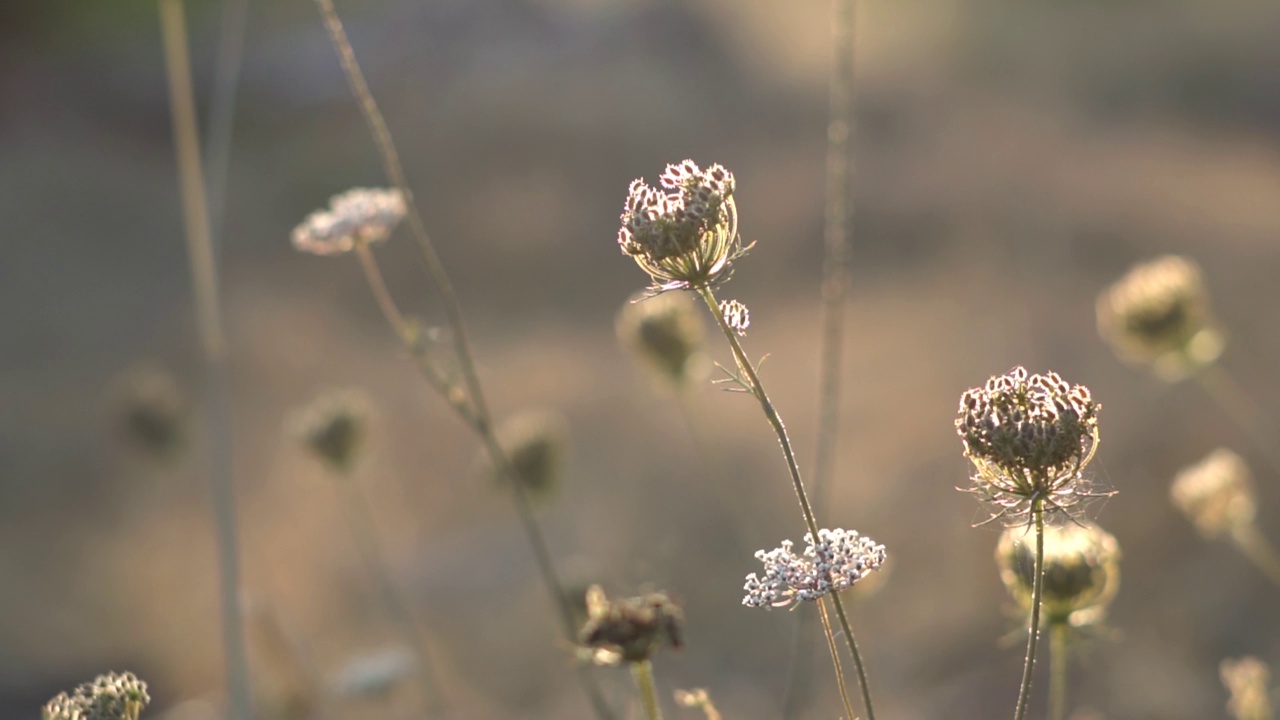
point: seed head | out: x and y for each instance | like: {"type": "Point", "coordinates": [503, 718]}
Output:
{"type": "Point", "coordinates": [1081, 571]}
{"type": "Point", "coordinates": [1216, 494]}
{"type": "Point", "coordinates": [630, 629]}
{"type": "Point", "coordinates": [685, 238]}
{"type": "Point", "coordinates": [1248, 680]}
{"type": "Point", "coordinates": [735, 316]}
{"type": "Point", "coordinates": [153, 410]}
{"type": "Point", "coordinates": [536, 444]}
{"type": "Point", "coordinates": [114, 696]}
{"type": "Point", "coordinates": [835, 562]}
{"type": "Point", "coordinates": [1028, 437]}
{"type": "Point", "coordinates": [333, 426]}
{"type": "Point", "coordinates": [666, 332]}
{"type": "Point", "coordinates": [1158, 314]}
{"type": "Point", "coordinates": [359, 215]}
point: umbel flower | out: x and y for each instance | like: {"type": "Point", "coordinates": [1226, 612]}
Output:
{"type": "Point", "coordinates": [1248, 681]}
{"type": "Point", "coordinates": [1158, 315]}
{"type": "Point", "coordinates": [1081, 571]}
{"type": "Point", "coordinates": [667, 333]}
{"type": "Point", "coordinates": [630, 629]}
{"type": "Point", "coordinates": [114, 696]}
{"type": "Point", "coordinates": [835, 562]}
{"type": "Point", "coordinates": [1028, 437]}
{"type": "Point", "coordinates": [687, 237]}
{"type": "Point", "coordinates": [1216, 494]}
{"type": "Point", "coordinates": [359, 215]}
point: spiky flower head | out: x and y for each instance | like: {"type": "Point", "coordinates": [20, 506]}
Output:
{"type": "Point", "coordinates": [685, 238]}
{"type": "Point", "coordinates": [332, 427]}
{"type": "Point", "coordinates": [630, 629]}
{"type": "Point", "coordinates": [1158, 315]}
{"type": "Point", "coordinates": [536, 445]}
{"type": "Point", "coordinates": [1081, 571]}
{"type": "Point", "coordinates": [1216, 494]}
{"type": "Point", "coordinates": [114, 696]}
{"type": "Point", "coordinates": [359, 215]}
{"type": "Point", "coordinates": [838, 559]}
{"type": "Point", "coordinates": [1028, 437]}
{"type": "Point", "coordinates": [735, 315]}
{"type": "Point", "coordinates": [667, 333]}
{"type": "Point", "coordinates": [1248, 681]}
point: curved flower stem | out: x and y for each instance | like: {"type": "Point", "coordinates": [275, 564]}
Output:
{"type": "Point", "coordinates": [474, 411]}
{"type": "Point", "coordinates": [1258, 549]}
{"type": "Point", "coordinates": [1058, 670]}
{"type": "Point", "coordinates": [1037, 593]}
{"type": "Point", "coordinates": [751, 382]}
{"type": "Point", "coordinates": [835, 659]}
{"type": "Point", "coordinates": [642, 671]}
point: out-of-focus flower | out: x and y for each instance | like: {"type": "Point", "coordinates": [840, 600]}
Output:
{"type": "Point", "coordinates": [359, 215]}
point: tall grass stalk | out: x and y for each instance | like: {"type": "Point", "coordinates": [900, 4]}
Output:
{"type": "Point", "coordinates": [475, 412]}
{"type": "Point", "coordinates": [1037, 594]}
{"type": "Point", "coordinates": [204, 275]}
{"type": "Point", "coordinates": [835, 286]}
{"type": "Point", "coordinates": [751, 382]}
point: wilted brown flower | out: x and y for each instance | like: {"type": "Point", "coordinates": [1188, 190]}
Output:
{"type": "Point", "coordinates": [1081, 571]}
{"type": "Point", "coordinates": [1216, 494]}
{"type": "Point", "coordinates": [630, 629]}
{"type": "Point", "coordinates": [359, 215]}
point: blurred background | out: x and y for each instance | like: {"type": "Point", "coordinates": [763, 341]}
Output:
{"type": "Point", "coordinates": [1013, 160]}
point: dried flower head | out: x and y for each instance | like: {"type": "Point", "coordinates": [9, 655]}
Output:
{"type": "Point", "coordinates": [630, 629]}
{"type": "Point", "coordinates": [735, 316]}
{"type": "Point", "coordinates": [536, 446]}
{"type": "Point", "coordinates": [1158, 314]}
{"type": "Point", "coordinates": [153, 410]}
{"type": "Point", "coordinates": [1248, 681]}
{"type": "Point", "coordinates": [1216, 494]}
{"type": "Point", "coordinates": [1081, 571]}
{"type": "Point", "coordinates": [835, 562]}
{"type": "Point", "coordinates": [686, 238]}
{"type": "Point", "coordinates": [1028, 437]}
{"type": "Point", "coordinates": [332, 426]}
{"type": "Point", "coordinates": [666, 332]}
{"type": "Point", "coordinates": [359, 215]}
{"type": "Point", "coordinates": [114, 696]}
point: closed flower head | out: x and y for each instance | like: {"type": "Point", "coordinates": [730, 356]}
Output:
{"type": "Point", "coordinates": [837, 560]}
{"type": "Point", "coordinates": [360, 215]}
{"type": "Point", "coordinates": [114, 696]}
{"type": "Point", "coordinates": [1216, 494]}
{"type": "Point", "coordinates": [666, 332]}
{"type": "Point", "coordinates": [333, 427]}
{"type": "Point", "coordinates": [1158, 314]}
{"type": "Point", "coordinates": [1081, 571]}
{"type": "Point", "coordinates": [630, 629]}
{"type": "Point", "coordinates": [1028, 437]}
{"type": "Point", "coordinates": [536, 444]}
{"type": "Point", "coordinates": [686, 235]}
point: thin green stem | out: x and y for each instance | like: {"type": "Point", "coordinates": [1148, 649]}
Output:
{"type": "Point", "coordinates": [642, 671]}
{"type": "Point", "coordinates": [1058, 656]}
{"type": "Point", "coordinates": [835, 659]}
{"type": "Point", "coordinates": [1258, 549]}
{"type": "Point", "coordinates": [751, 381]}
{"type": "Point", "coordinates": [475, 413]}
{"type": "Point", "coordinates": [1223, 388]}
{"type": "Point", "coordinates": [1037, 593]}
{"type": "Point", "coordinates": [204, 273]}
{"type": "Point", "coordinates": [364, 531]}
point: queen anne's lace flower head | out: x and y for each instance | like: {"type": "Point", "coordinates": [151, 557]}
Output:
{"type": "Point", "coordinates": [1081, 571]}
{"type": "Point", "coordinates": [360, 215]}
{"type": "Point", "coordinates": [114, 696]}
{"type": "Point", "coordinates": [835, 562]}
{"type": "Point", "coordinates": [629, 629]}
{"type": "Point", "coordinates": [1216, 494]}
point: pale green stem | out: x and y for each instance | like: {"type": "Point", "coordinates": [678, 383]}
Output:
{"type": "Point", "coordinates": [642, 671]}
{"type": "Point", "coordinates": [1058, 662]}
{"type": "Point", "coordinates": [751, 381]}
{"type": "Point", "coordinates": [477, 414]}
{"type": "Point", "coordinates": [835, 659]}
{"type": "Point", "coordinates": [364, 531]}
{"type": "Point", "coordinates": [1243, 411]}
{"type": "Point", "coordinates": [1258, 549]}
{"type": "Point", "coordinates": [1037, 593]}
{"type": "Point", "coordinates": [204, 272]}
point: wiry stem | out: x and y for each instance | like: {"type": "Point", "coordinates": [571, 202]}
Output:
{"type": "Point", "coordinates": [1037, 593]}
{"type": "Point", "coordinates": [642, 671]}
{"type": "Point", "coordinates": [222, 110]}
{"type": "Point", "coordinates": [1258, 549]}
{"type": "Point", "coordinates": [1058, 670]}
{"type": "Point", "coordinates": [751, 381]}
{"type": "Point", "coordinates": [204, 272]}
{"type": "Point", "coordinates": [835, 659]}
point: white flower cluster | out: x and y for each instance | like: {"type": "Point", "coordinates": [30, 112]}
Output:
{"type": "Point", "coordinates": [366, 215]}
{"type": "Point", "coordinates": [835, 562]}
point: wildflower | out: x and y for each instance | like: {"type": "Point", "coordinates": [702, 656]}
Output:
{"type": "Point", "coordinates": [835, 562]}
{"type": "Point", "coordinates": [535, 445]}
{"type": "Point", "coordinates": [1216, 494]}
{"type": "Point", "coordinates": [359, 215]}
{"type": "Point", "coordinates": [1028, 437]}
{"type": "Point", "coordinates": [666, 332]}
{"type": "Point", "coordinates": [332, 427]}
{"type": "Point", "coordinates": [1081, 571]}
{"type": "Point", "coordinates": [1158, 314]}
{"type": "Point", "coordinates": [114, 696]}
{"type": "Point", "coordinates": [686, 238]}
{"type": "Point", "coordinates": [1248, 680]}
{"type": "Point", "coordinates": [735, 316]}
{"type": "Point", "coordinates": [630, 629]}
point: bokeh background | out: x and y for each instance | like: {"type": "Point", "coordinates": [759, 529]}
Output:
{"type": "Point", "coordinates": [1013, 159]}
